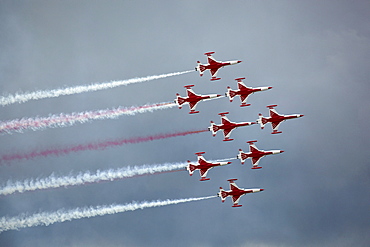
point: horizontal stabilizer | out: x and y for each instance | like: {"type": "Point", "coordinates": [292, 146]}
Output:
{"type": "Point", "coordinates": [191, 168]}
{"type": "Point", "coordinates": [231, 93]}
{"type": "Point", "coordinates": [180, 101]}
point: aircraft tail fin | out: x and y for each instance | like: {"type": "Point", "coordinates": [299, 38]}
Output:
{"type": "Point", "coordinates": [242, 156]}
{"type": "Point", "coordinates": [214, 128]}
{"type": "Point", "coordinates": [191, 168]}
{"type": "Point", "coordinates": [230, 94]}
{"type": "Point", "coordinates": [201, 68]}
{"type": "Point", "coordinates": [180, 101]}
{"type": "Point", "coordinates": [262, 121]}
{"type": "Point", "coordinates": [222, 194]}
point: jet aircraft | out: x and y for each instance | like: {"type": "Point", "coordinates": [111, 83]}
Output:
{"type": "Point", "coordinates": [213, 66]}
{"type": "Point", "coordinates": [203, 166]}
{"type": "Point", "coordinates": [193, 99]}
{"type": "Point", "coordinates": [255, 154]}
{"type": "Point", "coordinates": [235, 192]}
{"type": "Point", "coordinates": [243, 91]}
{"type": "Point", "coordinates": [275, 119]}
{"type": "Point", "coordinates": [227, 126]}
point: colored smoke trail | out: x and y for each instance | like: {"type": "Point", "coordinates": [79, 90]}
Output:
{"type": "Point", "coordinates": [64, 120]}
{"type": "Point", "coordinates": [21, 98]}
{"type": "Point", "coordinates": [62, 215]}
{"type": "Point", "coordinates": [92, 146]}
{"type": "Point", "coordinates": [86, 178]}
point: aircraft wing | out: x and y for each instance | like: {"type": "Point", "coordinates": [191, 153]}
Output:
{"type": "Point", "coordinates": [242, 86]}
{"type": "Point", "coordinates": [253, 148]}
{"type": "Point", "coordinates": [233, 186]}
{"type": "Point", "coordinates": [191, 93]}
{"type": "Point", "coordinates": [236, 199]}
{"type": "Point", "coordinates": [273, 113]}
{"type": "Point", "coordinates": [227, 133]}
{"type": "Point", "coordinates": [202, 160]}
{"type": "Point", "coordinates": [211, 60]}
{"type": "Point", "coordinates": [214, 72]}
{"type": "Point", "coordinates": [275, 125]}
{"type": "Point", "coordinates": [244, 97]}
{"type": "Point", "coordinates": [203, 172]}
{"type": "Point", "coordinates": [256, 160]}
{"type": "Point", "coordinates": [225, 120]}
{"type": "Point", "coordinates": [193, 105]}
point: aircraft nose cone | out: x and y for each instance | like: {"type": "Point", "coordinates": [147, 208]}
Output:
{"type": "Point", "coordinates": [281, 151]}
{"type": "Point", "coordinates": [239, 61]}
{"type": "Point", "coordinates": [269, 87]}
{"type": "Point", "coordinates": [262, 189]}
{"type": "Point", "coordinates": [301, 115]}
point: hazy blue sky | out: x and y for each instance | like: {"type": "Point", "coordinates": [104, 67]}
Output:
{"type": "Point", "coordinates": [315, 54]}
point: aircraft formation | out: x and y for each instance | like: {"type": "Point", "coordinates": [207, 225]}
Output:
{"type": "Point", "coordinates": [228, 126]}
{"type": "Point", "coordinates": [202, 165]}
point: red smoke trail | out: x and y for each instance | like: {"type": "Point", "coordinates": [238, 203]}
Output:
{"type": "Point", "coordinates": [92, 146]}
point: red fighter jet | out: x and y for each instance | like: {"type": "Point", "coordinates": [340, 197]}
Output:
{"type": "Point", "coordinates": [243, 91]}
{"type": "Point", "coordinates": [235, 192]}
{"type": "Point", "coordinates": [227, 126]}
{"type": "Point", "coordinates": [275, 119]}
{"type": "Point", "coordinates": [203, 166]}
{"type": "Point", "coordinates": [255, 154]}
{"type": "Point", "coordinates": [193, 99]}
{"type": "Point", "coordinates": [213, 66]}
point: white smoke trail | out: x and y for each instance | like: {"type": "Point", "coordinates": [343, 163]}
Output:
{"type": "Point", "coordinates": [227, 159]}
{"type": "Point", "coordinates": [219, 97]}
{"type": "Point", "coordinates": [24, 97]}
{"type": "Point", "coordinates": [84, 178]}
{"type": "Point", "coordinates": [48, 218]}
{"type": "Point", "coordinates": [87, 177]}
{"type": "Point", "coordinates": [64, 120]}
